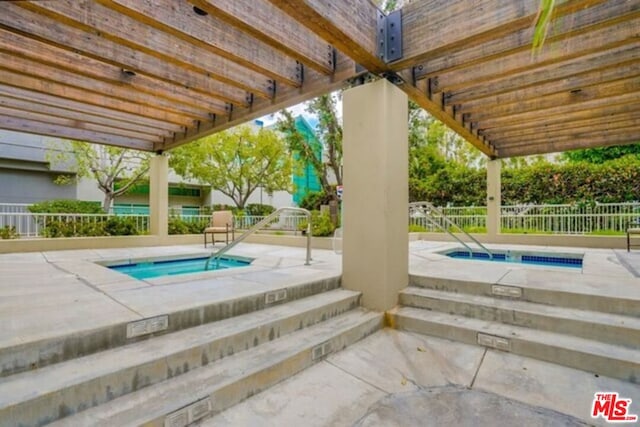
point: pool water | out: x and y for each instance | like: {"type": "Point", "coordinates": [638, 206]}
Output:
{"type": "Point", "coordinates": [531, 259]}
{"type": "Point", "coordinates": [150, 270]}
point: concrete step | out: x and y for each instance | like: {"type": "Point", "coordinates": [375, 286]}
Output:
{"type": "Point", "coordinates": [605, 327]}
{"type": "Point", "coordinates": [543, 295]}
{"type": "Point", "coordinates": [211, 389]}
{"type": "Point", "coordinates": [55, 349]}
{"type": "Point", "coordinates": [44, 395]}
{"type": "Point", "coordinates": [588, 355]}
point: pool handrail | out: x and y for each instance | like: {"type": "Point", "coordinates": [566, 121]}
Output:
{"type": "Point", "coordinates": [216, 255]}
{"type": "Point", "coordinates": [426, 207]}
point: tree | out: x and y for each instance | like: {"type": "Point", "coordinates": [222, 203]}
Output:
{"type": "Point", "coordinates": [329, 133]}
{"type": "Point", "coordinates": [602, 154]}
{"type": "Point", "coordinates": [114, 169]}
{"type": "Point", "coordinates": [236, 162]}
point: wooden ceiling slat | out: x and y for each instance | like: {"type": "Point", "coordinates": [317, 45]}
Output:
{"type": "Point", "coordinates": [93, 17]}
{"type": "Point", "coordinates": [68, 92]}
{"type": "Point", "coordinates": [543, 103]}
{"type": "Point", "coordinates": [211, 34]}
{"type": "Point", "coordinates": [452, 24]}
{"type": "Point", "coordinates": [48, 129]}
{"type": "Point", "coordinates": [99, 87]}
{"type": "Point", "coordinates": [350, 26]}
{"type": "Point", "coordinates": [575, 82]}
{"type": "Point", "coordinates": [89, 44]}
{"type": "Point", "coordinates": [80, 116]}
{"type": "Point", "coordinates": [35, 50]}
{"type": "Point", "coordinates": [74, 123]}
{"type": "Point", "coordinates": [555, 147]}
{"type": "Point", "coordinates": [52, 100]}
{"type": "Point", "coordinates": [547, 129]}
{"type": "Point", "coordinates": [562, 26]}
{"type": "Point", "coordinates": [563, 70]}
{"type": "Point", "coordinates": [611, 129]}
{"type": "Point", "coordinates": [265, 22]}
{"type": "Point", "coordinates": [555, 52]}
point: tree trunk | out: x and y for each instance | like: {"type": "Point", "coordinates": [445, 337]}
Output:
{"type": "Point", "coordinates": [106, 203]}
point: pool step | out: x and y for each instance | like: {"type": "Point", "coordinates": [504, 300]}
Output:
{"type": "Point", "coordinates": [47, 394]}
{"type": "Point", "coordinates": [38, 354]}
{"type": "Point", "coordinates": [579, 299]}
{"type": "Point", "coordinates": [203, 392]}
{"type": "Point", "coordinates": [610, 328]}
{"type": "Point", "coordinates": [589, 355]}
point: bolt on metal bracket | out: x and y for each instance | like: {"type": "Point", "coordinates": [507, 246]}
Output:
{"type": "Point", "coordinates": [390, 36]}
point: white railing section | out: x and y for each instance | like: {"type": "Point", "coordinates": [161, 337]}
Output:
{"type": "Point", "coordinates": [68, 225]}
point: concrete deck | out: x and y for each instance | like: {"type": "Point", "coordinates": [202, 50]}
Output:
{"type": "Point", "coordinates": [48, 294]}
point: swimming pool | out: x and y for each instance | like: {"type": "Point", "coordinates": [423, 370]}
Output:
{"type": "Point", "coordinates": [529, 258]}
{"type": "Point", "coordinates": [153, 269]}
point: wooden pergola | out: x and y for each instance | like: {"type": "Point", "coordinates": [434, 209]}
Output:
{"type": "Point", "coordinates": [155, 74]}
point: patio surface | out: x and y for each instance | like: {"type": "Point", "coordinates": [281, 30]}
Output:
{"type": "Point", "coordinates": [43, 295]}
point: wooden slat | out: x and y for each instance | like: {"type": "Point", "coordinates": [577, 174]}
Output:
{"type": "Point", "coordinates": [93, 17]}
{"type": "Point", "coordinates": [76, 106]}
{"type": "Point", "coordinates": [14, 18]}
{"type": "Point", "coordinates": [543, 103]}
{"type": "Point", "coordinates": [211, 34]}
{"type": "Point", "coordinates": [548, 129]}
{"type": "Point", "coordinates": [555, 147]}
{"type": "Point", "coordinates": [68, 92]}
{"type": "Point", "coordinates": [561, 110]}
{"type": "Point", "coordinates": [579, 81]}
{"type": "Point", "coordinates": [598, 16]}
{"type": "Point", "coordinates": [315, 84]}
{"type": "Point", "coordinates": [269, 24]}
{"type": "Point", "coordinates": [434, 27]}
{"type": "Point", "coordinates": [98, 87]}
{"type": "Point", "coordinates": [35, 50]}
{"type": "Point", "coordinates": [350, 26]}
{"type": "Point", "coordinates": [74, 123]}
{"type": "Point", "coordinates": [597, 61]}
{"type": "Point", "coordinates": [81, 117]}
{"type": "Point", "coordinates": [53, 130]}
{"type": "Point", "coordinates": [564, 50]}
{"type": "Point", "coordinates": [610, 129]}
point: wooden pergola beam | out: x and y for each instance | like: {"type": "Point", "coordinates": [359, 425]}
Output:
{"type": "Point", "coordinates": [609, 129]}
{"type": "Point", "coordinates": [350, 26]}
{"type": "Point", "coordinates": [48, 129]}
{"type": "Point", "coordinates": [30, 106]}
{"type": "Point", "coordinates": [267, 23]}
{"type": "Point", "coordinates": [555, 147]}
{"type": "Point", "coordinates": [92, 17]}
{"type": "Point", "coordinates": [91, 45]}
{"type": "Point", "coordinates": [179, 19]}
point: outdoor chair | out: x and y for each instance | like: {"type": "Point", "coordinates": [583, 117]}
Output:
{"type": "Point", "coordinates": [632, 229]}
{"type": "Point", "coordinates": [221, 223]}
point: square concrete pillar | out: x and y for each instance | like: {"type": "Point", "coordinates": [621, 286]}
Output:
{"type": "Point", "coordinates": [159, 195]}
{"type": "Point", "coordinates": [493, 197]}
{"type": "Point", "coordinates": [376, 193]}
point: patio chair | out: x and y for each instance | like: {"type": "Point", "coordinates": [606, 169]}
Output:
{"type": "Point", "coordinates": [221, 223]}
{"type": "Point", "coordinates": [632, 229]}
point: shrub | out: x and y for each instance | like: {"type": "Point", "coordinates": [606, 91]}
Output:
{"type": "Point", "coordinates": [179, 225]}
{"type": "Point", "coordinates": [312, 201]}
{"type": "Point", "coordinates": [321, 224]}
{"type": "Point", "coordinates": [256, 209]}
{"type": "Point", "coordinates": [8, 233]}
{"type": "Point", "coordinates": [66, 206]}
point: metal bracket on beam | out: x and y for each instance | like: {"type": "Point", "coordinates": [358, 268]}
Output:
{"type": "Point", "coordinates": [272, 88]}
{"type": "Point", "coordinates": [393, 78]}
{"type": "Point", "coordinates": [362, 79]}
{"type": "Point", "coordinates": [229, 109]}
{"type": "Point", "coordinates": [249, 99]}
{"type": "Point", "coordinates": [390, 36]}
{"type": "Point", "coordinates": [332, 57]}
{"type": "Point", "coordinates": [213, 117]}
{"type": "Point", "coordinates": [299, 73]}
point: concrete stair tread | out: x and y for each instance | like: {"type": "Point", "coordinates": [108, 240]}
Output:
{"type": "Point", "coordinates": [116, 365]}
{"type": "Point", "coordinates": [552, 339]}
{"type": "Point", "coordinates": [259, 368]}
{"type": "Point", "coordinates": [529, 307]}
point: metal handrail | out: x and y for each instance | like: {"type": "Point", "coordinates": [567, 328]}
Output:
{"type": "Point", "coordinates": [216, 255]}
{"type": "Point", "coordinates": [420, 206]}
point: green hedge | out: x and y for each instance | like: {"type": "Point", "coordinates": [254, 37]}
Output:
{"type": "Point", "coordinates": [93, 227]}
{"type": "Point", "coordinates": [179, 225]}
{"type": "Point", "coordinates": [66, 206]}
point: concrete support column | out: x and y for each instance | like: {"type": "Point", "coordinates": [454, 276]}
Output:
{"type": "Point", "coordinates": [376, 192]}
{"type": "Point", "coordinates": [493, 198]}
{"type": "Point", "coordinates": [159, 195]}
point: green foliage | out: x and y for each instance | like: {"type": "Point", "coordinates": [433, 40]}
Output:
{"type": "Point", "coordinates": [66, 206]}
{"type": "Point", "coordinates": [256, 209]}
{"type": "Point", "coordinates": [313, 200]}
{"type": "Point", "coordinates": [179, 225]}
{"type": "Point", "coordinates": [415, 228]}
{"type": "Point", "coordinates": [89, 227]}
{"type": "Point", "coordinates": [321, 225]}
{"type": "Point", "coordinates": [120, 226]}
{"type": "Point", "coordinates": [602, 154]}
{"type": "Point", "coordinates": [7, 232]}
{"type": "Point", "coordinates": [236, 162]}
{"type": "Point", "coordinates": [542, 22]}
